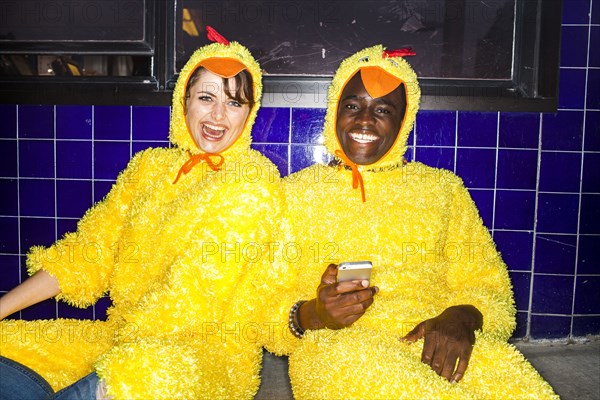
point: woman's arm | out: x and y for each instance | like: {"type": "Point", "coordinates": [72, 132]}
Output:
{"type": "Point", "coordinates": [37, 288]}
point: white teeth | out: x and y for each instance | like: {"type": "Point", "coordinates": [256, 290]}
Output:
{"type": "Point", "coordinates": [363, 137]}
{"type": "Point", "coordinates": [214, 128]}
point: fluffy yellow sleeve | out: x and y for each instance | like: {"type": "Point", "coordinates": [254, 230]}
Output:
{"type": "Point", "coordinates": [82, 261]}
{"type": "Point", "coordinates": [300, 232]}
{"type": "Point", "coordinates": [282, 292]}
{"type": "Point", "coordinates": [476, 273]}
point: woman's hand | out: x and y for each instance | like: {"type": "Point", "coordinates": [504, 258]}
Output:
{"type": "Point", "coordinates": [449, 338]}
{"type": "Point", "coordinates": [338, 304]}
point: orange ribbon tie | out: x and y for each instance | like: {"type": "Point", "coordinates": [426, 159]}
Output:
{"type": "Point", "coordinates": [195, 159]}
{"type": "Point", "coordinates": [356, 176]}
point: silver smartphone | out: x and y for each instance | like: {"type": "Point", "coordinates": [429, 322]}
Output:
{"type": "Point", "coordinates": [354, 270]}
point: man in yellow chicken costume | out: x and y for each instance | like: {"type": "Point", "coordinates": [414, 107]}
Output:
{"type": "Point", "coordinates": [436, 321]}
{"type": "Point", "coordinates": [187, 264]}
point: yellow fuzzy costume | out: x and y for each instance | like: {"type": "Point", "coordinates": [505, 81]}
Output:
{"type": "Point", "coordinates": [187, 266]}
{"type": "Point", "coordinates": [429, 250]}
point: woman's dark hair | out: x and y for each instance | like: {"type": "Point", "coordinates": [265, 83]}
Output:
{"type": "Point", "coordinates": [243, 81]}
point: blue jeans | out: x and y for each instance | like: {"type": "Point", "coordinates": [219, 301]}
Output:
{"type": "Point", "coordinates": [83, 389]}
{"type": "Point", "coordinates": [18, 382]}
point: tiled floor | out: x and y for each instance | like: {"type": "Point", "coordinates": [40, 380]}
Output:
{"type": "Point", "coordinates": [573, 369]}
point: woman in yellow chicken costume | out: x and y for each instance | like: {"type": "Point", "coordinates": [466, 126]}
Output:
{"type": "Point", "coordinates": [435, 266]}
{"type": "Point", "coordinates": [186, 263]}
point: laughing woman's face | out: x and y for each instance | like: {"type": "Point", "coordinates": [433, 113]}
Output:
{"type": "Point", "coordinates": [215, 119]}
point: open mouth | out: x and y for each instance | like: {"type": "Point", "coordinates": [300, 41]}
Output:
{"type": "Point", "coordinates": [363, 138]}
{"type": "Point", "coordinates": [213, 132]}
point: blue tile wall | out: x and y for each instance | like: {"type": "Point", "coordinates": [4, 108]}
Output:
{"type": "Point", "coordinates": [588, 256]}
{"type": "Point", "coordinates": [484, 200]}
{"type": "Point", "coordinates": [593, 94]}
{"type": "Point", "coordinates": [522, 324]}
{"type": "Point", "coordinates": [476, 167]}
{"type": "Point", "coordinates": [594, 43]}
{"type": "Point", "coordinates": [560, 172]}
{"type": "Point", "coordinates": [10, 273]}
{"type": "Point", "coordinates": [515, 210]}
{"type": "Point", "coordinates": [438, 157]}
{"type": "Point", "coordinates": [42, 205]}
{"type": "Point", "coordinates": [36, 158]}
{"type": "Point", "coordinates": [573, 52]}
{"type": "Point", "coordinates": [521, 285]}
{"type": "Point", "coordinates": [588, 301]}
{"type": "Point", "coordinates": [71, 156]}
{"type": "Point", "coordinates": [555, 254]}
{"type": "Point", "coordinates": [36, 122]}
{"type": "Point", "coordinates": [110, 158]}
{"type": "Point", "coordinates": [9, 202]}
{"type": "Point", "coordinates": [74, 122]}
{"type": "Point", "coordinates": [477, 129]}
{"type": "Point", "coordinates": [149, 123]}
{"type": "Point", "coordinates": [516, 248]}
{"type": "Point", "coordinates": [535, 178]}
{"type": "Point", "coordinates": [436, 128]}
{"type": "Point", "coordinates": [306, 125]}
{"type": "Point", "coordinates": [550, 327]}
{"type": "Point", "coordinates": [591, 172]}
{"type": "Point", "coordinates": [8, 116]}
{"type": "Point", "coordinates": [519, 130]}
{"type": "Point", "coordinates": [563, 130]}
{"type": "Point", "coordinates": [572, 88]}
{"type": "Point", "coordinates": [272, 125]}
{"type": "Point", "coordinates": [9, 235]}
{"type": "Point", "coordinates": [112, 123]}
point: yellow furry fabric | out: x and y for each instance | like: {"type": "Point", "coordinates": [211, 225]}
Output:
{"type": "Point", "coordinates": [186, 265]}
{"type": "Point", "coordinates": [430, 251]}
{"type": "Point", "coordinates": [62, 350]}
{"type": "Point", "coordinates": [359, 363]}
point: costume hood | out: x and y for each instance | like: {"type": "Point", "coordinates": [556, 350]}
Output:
{"type": "Point", "coordinates": [225, 59]}
{"type": "Point", "coordinates": [381, 73]}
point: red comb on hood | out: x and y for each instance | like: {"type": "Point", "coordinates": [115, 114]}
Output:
{"type": "Point", "coordinates": [403, 52]}
{"type": "Point", "coordinates": [215, 36]}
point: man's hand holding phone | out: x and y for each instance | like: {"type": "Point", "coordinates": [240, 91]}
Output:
{"type": "Point", "coordinates": [338, 303]}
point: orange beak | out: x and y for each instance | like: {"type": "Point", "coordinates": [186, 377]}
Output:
{"type": "Point", "coordinates": [378, 82]}
{"type": "Point", "coordinates": [223, 66]}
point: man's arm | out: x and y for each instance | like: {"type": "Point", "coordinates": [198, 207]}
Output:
{"type": "Point", "coordinates": [479, 286]}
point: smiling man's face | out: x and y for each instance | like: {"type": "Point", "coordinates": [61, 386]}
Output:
{"type": "Point", "coordinates": [366, 127]}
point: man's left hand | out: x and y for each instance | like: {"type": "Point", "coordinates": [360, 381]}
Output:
{"type": "Point", "coordinates": [449, 338]}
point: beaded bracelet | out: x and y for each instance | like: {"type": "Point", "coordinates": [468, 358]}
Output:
{"type": "Point", "coordinates": [293, 323]}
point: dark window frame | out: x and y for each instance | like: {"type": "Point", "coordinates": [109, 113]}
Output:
{"type": "Point", "coordinates": [533, 88]}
